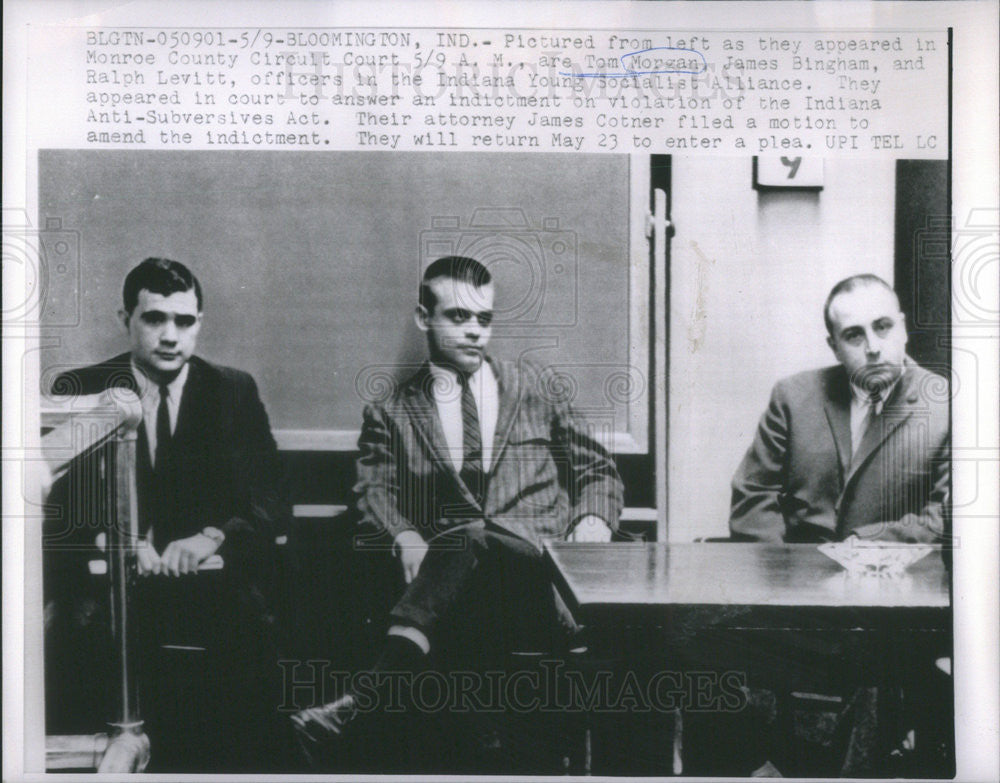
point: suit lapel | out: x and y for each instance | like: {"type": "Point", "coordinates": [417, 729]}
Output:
{"type": "Point", "coordinates": [897, 409]}
{"type": "Point", "coordinates": [509, 392]}
{"type": "Point", "coordinates": [837, 407]}
{"type": "Point", "coordinates": [119, 374]}
{"type": "Point", "coordinates": [423, 414]}
{"type": "Point", "coordinates": [195, 404]}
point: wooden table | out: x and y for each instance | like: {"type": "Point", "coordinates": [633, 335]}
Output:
{"type": "Point", "coordinates": [786, 616]}
{"type": "Point", "coordinates": [730, 584]}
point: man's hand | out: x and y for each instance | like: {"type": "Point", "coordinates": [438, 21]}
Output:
{"type": "Point", "coordinates": [149, 561]}
{"type": "Point", "coordinates": [591, 528]}
{"type": "Point", "coordinates": [410, 548]}
{"type": "Point", "coordinates": [147, 558]}
{"type": "Point", "coordinates": [183, 555]}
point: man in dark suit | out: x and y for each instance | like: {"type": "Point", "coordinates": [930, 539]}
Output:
{"type": "Point", "coordinates": [208, 484]}
{"type": "Point", "coordinates": [861, 448]}
{"type": "Point", "coordinates": [468, 468]}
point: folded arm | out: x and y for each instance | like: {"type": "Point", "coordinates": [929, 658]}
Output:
{"type": "Point", "coordinates": [259, 511]}
{"type": "Point", "coordinates": [595, 488]}
{"type": "Point", "coordinates": [755, 510]}
{"type": "Point", "coordinates": [931, 523]}
{"type": "Point", "coordinates": [377, 492]}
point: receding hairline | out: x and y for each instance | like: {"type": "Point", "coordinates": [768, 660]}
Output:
{"type": "Point", "coordinates": [456, 280]}
{"type": "Point", "coordinates": [440, 283]}
{"type": "Point", "coordinates": [850, 285]}
{"type": "Point", "coordinates": [458, 269]}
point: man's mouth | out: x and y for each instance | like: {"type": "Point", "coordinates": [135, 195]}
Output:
{"type": "Point", "coordinates": [878, 374]}
{"type": "Point", "coordinates": [167, 356]}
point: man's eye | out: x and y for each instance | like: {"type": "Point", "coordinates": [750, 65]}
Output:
{"type": "Point", "coordinates": [852, 337]}
{"type": "Point", "coordinates": [485, 319]}
{"type": "Point", "coordinates": [185, 321]}
{"type": "Point", "coordinates": [459, 316]}
{"type": "Point", "coordinates": [153, 318]}
{"type": "Point", "coordinates": [881, 327]}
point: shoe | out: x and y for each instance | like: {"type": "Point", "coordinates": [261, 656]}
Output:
{"type": "Point", "coordinates": [318, 727]}
{"type": "Point", "coordinates": [578, 640]}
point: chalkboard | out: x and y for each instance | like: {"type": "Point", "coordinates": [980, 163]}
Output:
{"type": "Point", "coordinates": [310, 264]}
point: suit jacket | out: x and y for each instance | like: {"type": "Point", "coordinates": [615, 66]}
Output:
{"type": "Point", "coordinates": [224, 469]}
{"type": "Point", "coordinates": [547, 470]}
{"type": "Point", "coordinates": [799, 482]}
{"type": "Point", "coordinates": [223, 472]}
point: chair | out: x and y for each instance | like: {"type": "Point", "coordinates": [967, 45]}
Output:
{"type": "Point", "coordinates": [360, 587]}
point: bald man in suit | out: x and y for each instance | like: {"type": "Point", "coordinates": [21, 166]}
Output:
{"type": "Point", "coordinates": [858, 449]}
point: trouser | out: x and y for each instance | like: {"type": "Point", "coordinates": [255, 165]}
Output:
{"type": "Point", "coordinates": [482, 590]}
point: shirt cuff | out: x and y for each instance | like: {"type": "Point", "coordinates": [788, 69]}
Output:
{"type": "Point", "coordinates": [396, 546]}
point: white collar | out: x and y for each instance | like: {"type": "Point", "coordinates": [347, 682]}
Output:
{"type": "Point", "coordinates": [146, 386]}
{"type": "Point", "coordinates": [448, 376]}
{"type": "Point", "coordinates": [863, 396]}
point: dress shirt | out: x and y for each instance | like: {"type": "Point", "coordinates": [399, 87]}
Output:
{"type": "Point", "coordinates": [149, 396]}
{"type": "Point", "coordinates": [860, 410]}
{"type": "Point", "coordinates": [447, 393]}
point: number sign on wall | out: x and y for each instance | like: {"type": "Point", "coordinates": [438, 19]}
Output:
{"type": "Point", "coordinates": [786, 172]}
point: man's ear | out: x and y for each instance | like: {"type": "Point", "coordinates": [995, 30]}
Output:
{"type": "Point", "coordinates": [124, 317]}
{"type": "Point", "coordinates": [420, 318]}
{"type": "Point", "coordinates": [830, 342]}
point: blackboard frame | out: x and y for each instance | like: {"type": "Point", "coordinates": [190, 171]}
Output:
{"type": "Point", "coordinates": [73, 182]}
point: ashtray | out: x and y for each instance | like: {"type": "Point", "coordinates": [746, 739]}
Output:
{"type": "Point", "coordinates": [880, 559]}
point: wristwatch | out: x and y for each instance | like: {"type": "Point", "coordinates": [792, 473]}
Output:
{"type": "Point", "coordinates": [215, 534]}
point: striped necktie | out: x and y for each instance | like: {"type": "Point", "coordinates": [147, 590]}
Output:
{"type": "Point", "coordinates": [874, 402]}
{"type": "Point", "coordinates": [472, 443]}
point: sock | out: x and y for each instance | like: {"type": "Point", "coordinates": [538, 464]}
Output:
{"type": "Point", "coordinates": [415, 635]}
{"type": "Point", "coordinates": [387, 684]}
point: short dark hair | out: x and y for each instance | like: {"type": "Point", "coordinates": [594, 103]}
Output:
{"type": "Point", "coordinates": [458, 268]}
{"type": "Point", "coordinates": [847, 285]}
{"type": "Point", "coordinates": [159, 276]}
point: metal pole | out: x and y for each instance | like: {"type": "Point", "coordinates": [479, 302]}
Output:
{"type": "Point", "coordinates": [77, 425]}
{"type": "Point", "coordinates": [123, 536]}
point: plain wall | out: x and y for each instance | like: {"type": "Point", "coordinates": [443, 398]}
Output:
{"type": "Point", "coordinates": [310, 262]}
{"type": "Point", "coordinates": [750, 272]}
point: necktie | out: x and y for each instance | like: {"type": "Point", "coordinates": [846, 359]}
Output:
{"type": "Point", "coordinates": [162, 432]}
{"type": "Point", "coordinates": [472, 443]}
{"type": "Point", "coordinates": [874, 401]}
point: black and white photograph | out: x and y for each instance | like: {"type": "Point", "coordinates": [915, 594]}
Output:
{"type": "Point", "coordinates": [323, 515]}
{"type": "Point", "coordinates": [648, 454]}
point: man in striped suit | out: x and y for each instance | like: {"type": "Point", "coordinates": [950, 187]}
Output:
{"type": "Point", "coordinates": [468, 468]}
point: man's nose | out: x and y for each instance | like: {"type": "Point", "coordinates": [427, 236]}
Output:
{"type": "Point", "coordinates": [169, 333]}
{"type": "Point", "coordinates": [873, 345]}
